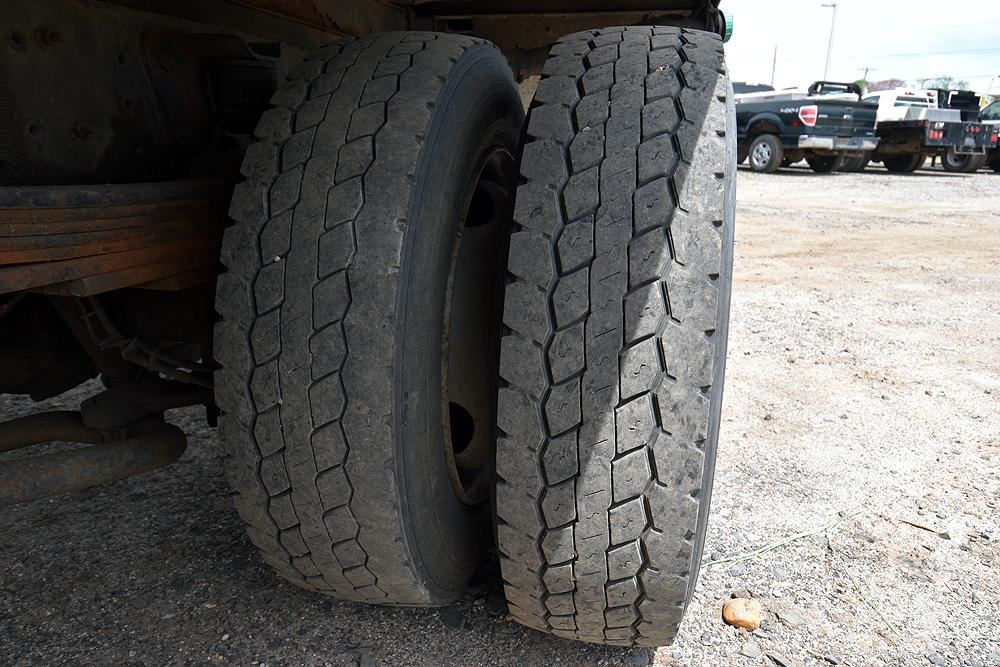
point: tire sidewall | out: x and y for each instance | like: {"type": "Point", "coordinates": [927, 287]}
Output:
{"type": "Point", "coordinates": [477, 110]}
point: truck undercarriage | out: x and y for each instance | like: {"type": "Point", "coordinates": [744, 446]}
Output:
{"type": "Point", "coordinates": [134, 134]}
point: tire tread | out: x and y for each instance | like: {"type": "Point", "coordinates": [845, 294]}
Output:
{"type": "Point", "coordinates": [600, 467]}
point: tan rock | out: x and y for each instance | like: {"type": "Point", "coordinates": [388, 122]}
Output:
{"type": "Point", "coordinates": [743, 613]}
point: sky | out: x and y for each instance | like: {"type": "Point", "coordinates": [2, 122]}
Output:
{"type": "Point", "coordinates": [895, 39]}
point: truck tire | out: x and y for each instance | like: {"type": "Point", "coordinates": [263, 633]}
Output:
{"type": "Point", "coordinates": [617, 312]}
{"type": "Point", "coordinates": [904, 164]}
{"type": "Point", "coordinates": [824, 164]}
{"type": "Point", "coordinates": [766, 154]}
{"type": "Point", "coordinates": [853, 165]}
{"type": "Point", "coordinates": [336, 308]}
{"type": "Point", "coordinates": [959, 163]}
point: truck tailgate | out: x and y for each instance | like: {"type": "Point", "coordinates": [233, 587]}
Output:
{"type": "Point", "coordinates": [845, 119]}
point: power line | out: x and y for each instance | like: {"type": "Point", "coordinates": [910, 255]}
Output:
{"type": "Point", "coordinates": [946, 27]}
{"type": "Point", "coordinates": [926, 53]}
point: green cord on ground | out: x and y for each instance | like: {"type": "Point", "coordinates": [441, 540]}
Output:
{"type": "Point", "coordinates": [860, 589]}
{"type": "Point", "coordinates": [757, 553]}
{"type": "Point", "coordinates": [829, 529]}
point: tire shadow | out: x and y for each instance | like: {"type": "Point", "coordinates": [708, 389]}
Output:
{"type": "Point", "coordinates": [157, 569]}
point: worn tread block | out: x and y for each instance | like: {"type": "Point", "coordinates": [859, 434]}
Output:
{"type": "Point", "coordinates": [560, 458]}
{"type": "Point", "coordinates": [631, 474]}
{"type": "Point", "coordinates": [576, 245]}
{"type": "Point", "coordinates": [566, 353]}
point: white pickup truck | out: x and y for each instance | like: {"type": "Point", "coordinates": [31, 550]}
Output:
{"type": "Point", "coordinates": [913, 125]}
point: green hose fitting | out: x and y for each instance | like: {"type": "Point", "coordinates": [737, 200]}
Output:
{"type": "Point", "coordinates": [728, 32]}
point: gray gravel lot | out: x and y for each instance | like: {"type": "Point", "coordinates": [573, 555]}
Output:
{"type": "Point", "coordinates": [864, 376]}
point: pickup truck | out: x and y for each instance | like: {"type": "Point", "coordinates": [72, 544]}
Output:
{"type": "Point", "coordinates": [991, 116]}
{"type": "Point", "coordinates": [825, 125]}
{"type": "Point", "coordinates": [971, 162]}
{"type": "Point", "coordinates": [913, 125]}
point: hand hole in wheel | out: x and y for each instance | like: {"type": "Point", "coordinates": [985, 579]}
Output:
{"type": "Point", "coordinates": [482, 209]}
{"type": "Point", "coordinates": [463, 427]}
{"type": "Point", "coordinates": [471, 326]}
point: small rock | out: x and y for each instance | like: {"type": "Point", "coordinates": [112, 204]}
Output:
{"type": "Point", "coordinates": [718, 555]}
{"type": "Point", "coordinates": [740, 593]}
{"type": "Point", "coordinates": [743, 613]}
{"type": "Point", "coordinates": [707, 639]}
{"type": "Point", "coordinates": [944, 535]}
{"type": "Point", "coordinates": [640, 658]}
{"type": "Point", "coordinates": [781, 660]}
{"type": "Point", "coordinates": [751, 649]}
{"type": "Point", "coordinates": [496, 603]}
{"type": "Point", "coordinates": [937, 659]}
{"type": "Point", "coordinates": [737, 570]}
{"type": "Point", "coordinates": [453, 616]}
{"type": "Point", "coordinates": [364, 658]}
{"type": "Point", "coordinates": [792, 617]}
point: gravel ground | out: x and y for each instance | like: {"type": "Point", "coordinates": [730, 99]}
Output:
{"type": "Point", "coordinates": [864, 376]}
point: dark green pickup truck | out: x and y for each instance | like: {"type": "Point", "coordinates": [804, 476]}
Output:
{"type": "Point", "coordinates": [826, 125]}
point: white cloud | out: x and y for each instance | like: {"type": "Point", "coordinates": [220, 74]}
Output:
{"type": "Point", "coordinates": [904, 39]}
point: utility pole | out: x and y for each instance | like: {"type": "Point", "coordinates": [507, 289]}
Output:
{"type": "Point", "coordinates": [774, 64]}
{"type": "Point", "coordinates": [864, 77]}
{"type": "Point", "coordinates": [829, 48]}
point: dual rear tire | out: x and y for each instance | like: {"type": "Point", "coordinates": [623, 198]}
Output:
{"type": "Point", "coordinates": [853, 165]}
{"type": "Point", "coordinates": [963, 163]}
{"type": "Point", "coordinates": [360, 325]}
{"type": "Point", "coordinates": [825, 164]}
{"type": "Point", "coordinates": [904, 164]}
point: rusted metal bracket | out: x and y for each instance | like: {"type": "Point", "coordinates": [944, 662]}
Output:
{"type": "Point", "coordinates": [106, 336]}
{"type": "Point", "coordinates": [112, 456]}
{"type": "Point", "coordinates": [87, 240]}
{"type": "Point", "coordinates": [128, 403]}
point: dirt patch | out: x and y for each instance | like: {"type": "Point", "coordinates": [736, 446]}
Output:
{"type": "Point", "coordinates": [864, 376]}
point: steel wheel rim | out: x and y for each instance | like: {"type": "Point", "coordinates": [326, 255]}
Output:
{"type": "Point", "coordinates": [469, 344]}
{"type": "Point", "coordinates": [761, 154]}
{"type": "Point", "coordinates": [955, 160]}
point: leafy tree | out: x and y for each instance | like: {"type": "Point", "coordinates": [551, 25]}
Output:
{"type": "Point", "coordinates": [886, 84]}
{"type": "Point", "coordinates": [946, 82]}
{"type": "Point", "coordinates": [863, 85]}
